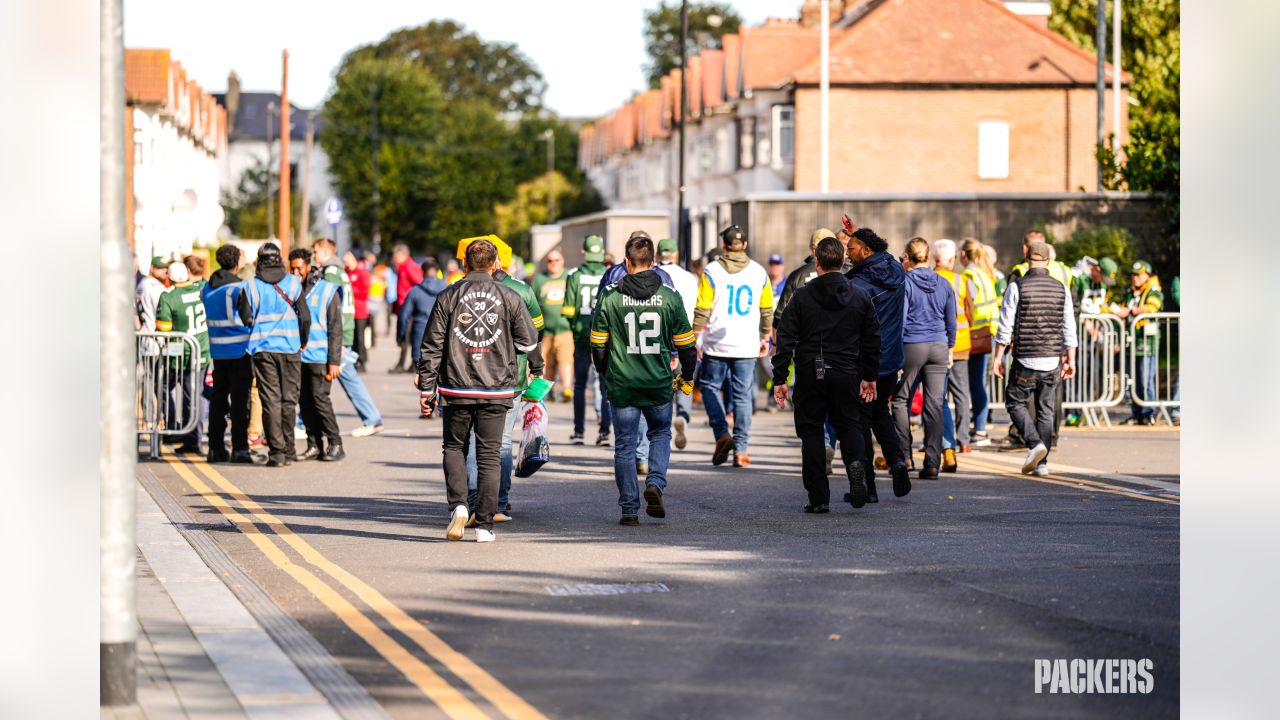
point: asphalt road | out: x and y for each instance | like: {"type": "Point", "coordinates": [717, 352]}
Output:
{"type": "Point", "coordinates": [933, 605]}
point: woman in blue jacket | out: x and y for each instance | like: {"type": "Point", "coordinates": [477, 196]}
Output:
{"type": "Point", "coordinates": [417, 307]}
{"type": "Point", "coordinates": [928, 334]}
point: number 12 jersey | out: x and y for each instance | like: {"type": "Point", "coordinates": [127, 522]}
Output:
{"type": "Point", "coordinates": [639, 334]}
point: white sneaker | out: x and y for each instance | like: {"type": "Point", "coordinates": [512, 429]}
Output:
{"type": "Point", "coordinates": [483, 535]}
{"type": "Point", "coordinates": [457, 522]}
{"type": "Point", "coordinates": [299, 433]}
{"type": "Point", "coordinates": [501, 517]}
{"type": "Point", "coordinates": [1041, 471]}
{"type": "Point", "coordinates": [680, 440]}
{"type": "Point", "coordinates": [1034, 456]}
{"type": "Point", "coordinates": [982, 442]}
{"type": "Point", "coordinates": [367, 430]}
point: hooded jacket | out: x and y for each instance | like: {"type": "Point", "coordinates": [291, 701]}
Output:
{"type": "Point", "coordinates": [641, 377]}
{"type": "Point", "coordinates": [221, 277]}
{"type": "Point", "coordinates": [417, 309]}
{"type": "Point", "coordinates": [883, 278]}
{"type": "Point", "coordinates": [834, 318]}
{"type": "Point", "coordinates": [931, 309]}
{"type": "Point", "coordinates": [798, 278]}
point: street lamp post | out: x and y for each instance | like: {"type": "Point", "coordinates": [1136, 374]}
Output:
{"type": "Point", "coordinates": [1100, 44]}
{"type": "Point", "coordinates": [682, 235]}
{"type": "Point", "coordinates": [550, 136]}
{"type": "Point", "coordinates": [271, 153]}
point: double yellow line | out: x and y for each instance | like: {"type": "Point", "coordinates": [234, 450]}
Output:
{"type": "Point", "coordinates": [1065, 481]}
{"type": "Point", "coordinates": [453, 702]}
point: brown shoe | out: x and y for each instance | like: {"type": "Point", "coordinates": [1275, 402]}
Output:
{"type": "Point", "coordinates": [949, 464]}
{"type": "Point", "coordinates": [724, 444]}
{"type": "Point", "coordinates": [741, 460]}
{"type": "Point", "coordinates": [966, 449]}
{"type": "Point", "coordinates": [928, 473]}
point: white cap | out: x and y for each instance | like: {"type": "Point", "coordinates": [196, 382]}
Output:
{"type": "Point", "coordinates": [178, 273]}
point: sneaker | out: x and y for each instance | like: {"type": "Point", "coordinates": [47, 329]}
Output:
{"type": "Point", "coordinates": [653, 502]}
{"type": "Point", "coordinates": [1041, 470]}
{"type": "Point", "coordinates": [278, 462]}
{"type": "Point", "coordinates": [313, 451]}
{"type": "Point", "coordinates": [629, 520]}
{"type": "Point", "coordinates": [299, 433]}
{"type": "Point", "coordinates": [367, 430]}
{"type": "Point", "coordinates": [1034, 456]}
{"type": "Point", "coordinates": [981, 435]}
{"type": "Point", "coordinates": [966, 449]}
{"type": "Point", "coordinates": [724, 444]}
{"type": "Point", "coordinates": [577, 438]}
{"type": "Point", "coordinates": [901, 480]}
{"type": "Point", "coordinates": [334, 453]}
{"type": "Point", "coordinates": [471, 520]}
{"type": "Point", "coordinates": [680, 440]}
{"type": "Point", "coordinates": [982, 441]}
{"type": "Point", "coordinates": [457, 521]}
{"type": "Point", "coordinates": [949, 464]}
{"type": "Point", "coordinates": [831, 456]}
{"type": "Point", "coordinates": [602, 439]}
{"type": "Point", "coordinates": [483, 535]}
{"type": "Point", "coordinates": [741, 460]}
{"type": "Point", "coordinates": [642, 469]}
{"type": "Point", "coordinates": [857, 484]}
{"type": "Point", "coordinates": [501, 517]}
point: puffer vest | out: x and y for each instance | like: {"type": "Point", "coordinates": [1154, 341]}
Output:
{"type": "Point", "coordinates": [1037, 330]}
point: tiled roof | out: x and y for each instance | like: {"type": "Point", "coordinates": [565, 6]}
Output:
{"type": "Point", "coordinates": [712, 79]}
{"type": "Point", "coordinates": [731, 46]}
{"type": "Point", "coordinates": [771, 52]}
{"type": "Point", "coordinates": [951, 42]}
{"type": "Point", "coordinates": [154, 78]}
{"type": "Point", "coordinates": [251, 117]}
{"type": "Point", "coordinates": [146, 76]}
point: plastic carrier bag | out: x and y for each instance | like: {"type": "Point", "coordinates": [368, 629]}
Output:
{"type": "Point", "coordinates": [534, 450]}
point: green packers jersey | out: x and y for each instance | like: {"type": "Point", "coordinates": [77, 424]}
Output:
{"type": "Point", "coordinates": [180, 309]}
{"type": "Point", "coordinates": [579, 300]}
{"type": "Point", "coordinates": [337, 275]}
{"type": "Point", "coordinates": [535, 312]}
{"type": "Point", "coordinates": [551, 293]}
{"type": "Point", "coordinates": [638, 336]}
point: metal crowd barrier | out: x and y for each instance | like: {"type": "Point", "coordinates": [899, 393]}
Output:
{"type": "Point", "coordinates": [1153, 362]}
{"type": "Point", "coordinates": [169, 386]}
{"type": "Point", "coordinates": [1099, 382]}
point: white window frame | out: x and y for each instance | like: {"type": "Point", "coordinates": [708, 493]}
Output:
{"type": "Point", "coordinates": [993, 150]}
{"type": "Point", "coordinates": [779, 127]}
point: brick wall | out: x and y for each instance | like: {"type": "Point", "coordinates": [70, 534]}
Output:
{"type": "Point", "coordinates": [900, 140]}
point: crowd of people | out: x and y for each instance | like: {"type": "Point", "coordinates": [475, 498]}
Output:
{"type": "Point", "coordinates": [856, 340]}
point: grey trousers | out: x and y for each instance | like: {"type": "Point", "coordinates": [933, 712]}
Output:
{"type": "Point", "coordinates": [926, 362]}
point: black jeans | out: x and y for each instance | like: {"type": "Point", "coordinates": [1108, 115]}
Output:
{"type": "Point", "coordinates": [316, 406]}
{"type": "Point", "coordinates": [926, 362]}
{"type": "Point", "coordinates": [232, 380]}
{"type": "Point", "coordinates": [487, 421]}
{"type": "Point", "coordinates": [279, 376]}
{"type": "Point", "coordinates": [876, 416]}
{"type": "Point", "coordinates": [581, 373]}
{"type": "Point", "coordinates": [817, 402]}
{"type": "Point", "coordinates": [357, 344]}
{"type": "Point", "coordinates": [1026, 386]}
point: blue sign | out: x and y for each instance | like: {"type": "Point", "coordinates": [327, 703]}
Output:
{"type": "Point", "coordinates": [333, 211]}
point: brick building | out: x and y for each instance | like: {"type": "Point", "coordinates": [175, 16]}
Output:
{"type": "Point", "coordinates": [961, 96]}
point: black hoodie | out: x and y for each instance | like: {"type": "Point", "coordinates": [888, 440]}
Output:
{"type": "Point", "coordinates": [830, 315]}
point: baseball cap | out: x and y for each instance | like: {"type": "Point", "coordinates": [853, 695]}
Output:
{"type": "Point", "coordinates": [178, 273]}
{"type": "Point", "coordinates": [819, 235]}
{"type": "Point", "coordinates": [1038, 250]}
{"type": "Point", "coordinates": [775, 259]}
{"type": "Point", "coordinates": [504, 250]}
{"type": "Point", "coordinates": [1141, 266]}
{"type": "Point", "coordinates": [1109, 266]}
{"type": "Point", "coordinates": [732, 234]}
{"type": "Point", "coordinates": [667, 245]}
{"type": "Point", "coordinates": [158, 262]}
{"type": "Point", "coordinates": [593, 248]}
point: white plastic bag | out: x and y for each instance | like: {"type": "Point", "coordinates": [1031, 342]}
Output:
{"type": "Point", "coordinates": [535, 450]}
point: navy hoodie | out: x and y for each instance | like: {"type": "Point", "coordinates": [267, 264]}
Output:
{"type": "Point", "coordinates": [931, 309]}
{"type": "Point", "coordinates": [884, 280]}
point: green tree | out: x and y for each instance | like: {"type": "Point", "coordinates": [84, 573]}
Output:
{"type": "Point", "coordinates": [528, 207]}
{"type": "Point", "coordinates": [1099, 242]}
{"type": "Point", "coordinates": [246, 206]}
{"type": "Point", "coordinates": [466, 66]}
{"type": "Point", "coordinates": [708, 22]}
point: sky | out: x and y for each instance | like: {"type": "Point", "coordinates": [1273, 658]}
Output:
{"type": "Point", "coordinates": [590, 52]}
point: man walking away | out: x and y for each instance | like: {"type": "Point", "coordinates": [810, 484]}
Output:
{"type": "Point", "coordinates": [321, 359]}
{"type": "Point", "coordinates": [274, 308]}
{"type": "Point", "coordinates": [408, 274]}
{"type": "Point", "coordinates": [352, 361]}
{"type": "Point", "coordinates": [831, 332]}
{"type": "Point", "coordinates": [686, 285]}
{"type": "Point", "coordinates": [734, 313]}
{"type": "Point", "coordinates": [179, 309]}
{"type": "Point", "coordinates": [882, 277]}
{"type": "Point", "coordinates": [360, 282]}
{"type": "Point", "coordinates": [232, 366]}
{"type": "Point", "coordinates": [1037, 318]}
{"type": "Point", "coordinates": [955, 425]}
{"type": "Point", "coordinates": [476, 329]}
{"type": "Point", "coordinates": [801, 276]}
{"type": "Point", "coordinates": [632, 333]}
{"type": "Point", "coordinates": [579, 303]}
{"type": "Point", "coordinates": [1144, 296]}
{"type": "Point", "coordinates": [416, 310]}
{"type": "Point", "coordinates": [557, 340]}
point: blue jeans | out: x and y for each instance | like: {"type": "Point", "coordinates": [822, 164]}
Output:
{"type": "Point", "coordinates": [505, 463]}
{"type": "Point", "coordinates": [978, 391]}
{"type": "Point", "coordinates": [1144, 385]}
{"type": "Point", "coordinates": [356, 392]}
{"type": "Point", "coordinates": [626, 425]}
{"type": "Point", "coordinates": [581, 377]}
{"type": "Point", "coordinates": [741, 372]}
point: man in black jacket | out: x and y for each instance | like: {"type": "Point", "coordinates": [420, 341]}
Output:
{"type": "Point", "coordinates": [832, 333]}
{"type": "Point", "coordinates": [321, 358]}
{"type": "Point", "coordinates": [475, 331]}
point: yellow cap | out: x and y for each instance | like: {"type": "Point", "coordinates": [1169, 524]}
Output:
{"type": "Point", "coordinates": [504, 250]}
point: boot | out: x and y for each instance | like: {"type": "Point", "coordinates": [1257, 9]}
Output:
{"type": "Point", "coordinates": [334, 452]}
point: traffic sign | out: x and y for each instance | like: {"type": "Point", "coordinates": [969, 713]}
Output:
{"type": "Point", "coordinates": [333, 210]}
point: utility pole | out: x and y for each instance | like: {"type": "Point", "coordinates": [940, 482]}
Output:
{"type": "Point", "coordinates": [1115, 75]}
{"type": "Point", "coordinates": [286, 129]}
{"type": "Point", "coordinates": [682, 237]}
{"type": "Point", "coordinates": [271, 153]}
{"type": "Point", "coordinates": [376, 235]}
{"type": "Point", "coordinates": [550, 136]}
{"type": "Point", "coordinates": [304, 223]}
{"type": "Point", "coordinates": [824, 101]}
{"type": "Point", "coordinates": [1100, 42]}
{"type": "Point", "coordinates": [118, 616]}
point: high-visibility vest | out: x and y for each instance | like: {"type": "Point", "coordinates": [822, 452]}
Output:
{"type": "Point", "coordinates": [318, 299]}
{"type": "Point", "coordinates": [962, 319]}
{"type": "Point", "coordinates": [986, 308]}
{"type": "Point", "coordinates": [228, 337]}
{"type": "Point", "coordinates": [275, 324]}
{"type": "Point", "coordinates": [1057, 270]}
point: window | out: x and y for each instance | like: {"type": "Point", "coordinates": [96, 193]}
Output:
{"type": "Point", "coordinates": [746, 143]}
{"type": "Point", "coordinates": [784, 134]}
{"type": "Point", "coordinates": [993, 150]}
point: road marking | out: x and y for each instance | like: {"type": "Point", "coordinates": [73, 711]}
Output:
{"type": "Point", "coordinates": [503, 698]}
{"type": "Point", "coordinates": [452, 702]}
{"type": "Point", "coordinates": [1077, 483]}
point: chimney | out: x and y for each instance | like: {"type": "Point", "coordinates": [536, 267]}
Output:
{"type": "Point", "coordinates": [233, 101]}
{"type": "Point", "coordinates": [811, 11]}
{"type": "Point", "coordinates": [1035, 11]}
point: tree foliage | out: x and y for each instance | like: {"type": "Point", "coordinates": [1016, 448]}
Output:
{"type": "Point", "coordinates": [246, 206]}
{"type": "Point", "coordinates": [466, 66]}
{"type": "Point", "coordinates": [1098, 242]}
{"type": "Point", "coordinates": [662, 33]}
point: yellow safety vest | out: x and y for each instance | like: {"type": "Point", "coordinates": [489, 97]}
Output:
{"type": "Point", "coordinates": [1057, 270]}
{"type": "Point", "coordinates": [986, 308]}
{"type": "Point", "coordinates": [962, 319]}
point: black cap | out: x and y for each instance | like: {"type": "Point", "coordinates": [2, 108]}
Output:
{"type": "Point", "coordinates": [732, 234]}
{"type": "Point", "coordinates": [268, 250]}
